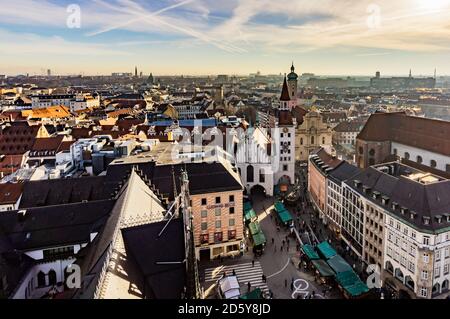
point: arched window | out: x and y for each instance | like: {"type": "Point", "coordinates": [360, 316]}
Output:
{"type": "Point", "coordinates": [361, 150]}
{"type": "Point", "coordinates": [372, 152]}
{"type": "Point", "coordinates": [250, 173]}
{"type": "Point", "coordinates": [395, 151]}
{"type": "Point", "coordinates": [407, 155]}
{"type": "Point", "coordinates": [433, 163]}
{"type": "Point", "coordinates": [41, 279]}
{"type": "Point", "coordinates": [52, 278]}
{"type": "Point", "coordinates": [301, 141]}
{"type": "Point", "coordinates": [323, 140]}
{"type": "Point", "coordinates": [312, 139]}
{"type": "Point", "coordinates": [419, 159]}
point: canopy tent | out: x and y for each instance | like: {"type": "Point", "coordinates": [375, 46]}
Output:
{"type": "Point", "coordinates": [279, 207]}
{"type": "Point", "coordinates": [247, 206]}
{"type": "Point", "coordinates": [338, 264]}
{"type": "Point", "coordinates": [357, 289]}
{"type": "Point", "coordinates": [323, 268]}
{"type": "Point", "coordinates": [254, 294]}
{"type": "Point", "coordinates": [310, 252]}
{"type": "Point", "coordinates": [326, 250]}
{"type": "Point", "coordinates": [347, 278]}
{"type": "Point", "coordinates": [259, 239]}
{"type": "Point", "coordinates": [254, 228]}
{"type": "Point", "coordinates": [285, 216]}
{"type": "Point", "coordinates": [249, 215]}
{"type": "Point", "coordinates": [229, 287]}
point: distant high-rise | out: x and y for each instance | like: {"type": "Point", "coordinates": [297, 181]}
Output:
{"type": "Point", "coordinates": [135, 71]}
{"type": "Point", "coordinates": [49, 72]}
{"type": "Point", "coordinates": [150, 79]}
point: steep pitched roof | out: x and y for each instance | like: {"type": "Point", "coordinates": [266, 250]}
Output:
{"type": "Point", "coordinates": [285, 92]}
{"type": "Point", "coordinates": [10, 193]}
{"type": "Point", "coordinates": [427, 134]}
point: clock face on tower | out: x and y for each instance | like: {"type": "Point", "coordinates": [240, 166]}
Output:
{"type": "Point", "coordinates": [285, 130]}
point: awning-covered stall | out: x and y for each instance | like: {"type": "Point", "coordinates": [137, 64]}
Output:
{"type": "Point", "coordinates": [338, 264]}
{"type": "Point", "coordinates": [323, 268]}
{"type": "Point", "coordinates": [254, 294]}
{"type": "Point", "coordinates": [229, 287]}
{"type": "Point", "coordinates": [310, 252]}
{"type": "Point", "coordinates": [247, 206]}
{"type": "Point", "coordinates": [259, 239]}
{"type": "Point", "coordinates": [285, 217]}
{"type": "Point", "coordinates": [250, 215]}
{"type": "Point", "coordinates": [325, 250]}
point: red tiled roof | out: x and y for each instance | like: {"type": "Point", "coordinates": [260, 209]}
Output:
{"type": "Point", "coordinates": [10, 163]}
{"type": "Point", "coordinates": [10, 193]}
{"type": "Point", "coordinates": [427, 134]}
{"type": "Point", "coordinates": [17, 138]}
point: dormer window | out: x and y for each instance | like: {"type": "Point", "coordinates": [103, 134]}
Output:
{"type": "Point", "coordinates": [394, 205]}
{"type": "Point", "coordinates": [412, 215]}
{"type": "Point", "coordinates": [384, 200]}
{"type": "Point", "coordinates": [404, 210]}
{"type": "Point", "coordinates": [375, 194]}
{"type": "Point", "coordinates": [438, 219]}
{"type": "Point", "coordinates": [426, 220]}
{"type": "Point", "coordinates": [447, 217]}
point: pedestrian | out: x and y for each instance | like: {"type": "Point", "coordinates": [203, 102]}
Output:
{"type": "Point", "coordinates": [253, 263]}
{"type": "Point", "coordinates": [313, 294]}
{"type": "Point", "coordinates": [273, 240]}
{"type": "Point", "coordinates": [249, 286]}
{"type": "Point", "coordinates": [234, 272]}
{"type": "Point", "coordinates": [283, 242]}
{"type": "Point", "coordinates": [292, 286]}
{"type": "Point", "coordinates": [285, 283]}
{"type": "Point", "coordinates": [281, 248]}
{"type": "Point", "coordinates": [264, 279]}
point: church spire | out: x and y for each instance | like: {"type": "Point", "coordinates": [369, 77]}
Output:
{"type": "Point", "coordinates": [285, 91]}
{"type": "Point", "coordinates": [292, 67]}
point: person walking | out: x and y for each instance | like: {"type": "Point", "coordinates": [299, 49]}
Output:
{"type": "Point", "coordinates": [285, 283]}
{"type": "Point", "coordinates": [253, 263]}
{"type": "Point", "coordinates": [249, 286]}
{"type": "Point", "coordinates": [273, 240]}
{"type": "Point", "coordinates": [234, 272]}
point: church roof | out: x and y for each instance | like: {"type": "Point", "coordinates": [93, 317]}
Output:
{"type": "Point", "coordinates": [285, 92]}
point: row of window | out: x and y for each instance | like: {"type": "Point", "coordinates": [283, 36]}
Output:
{"type": "Point", "coordinates": [218, 200]}
{"type": "Point", "coordinates": [218, 237]}
{"type": "Point", "coordinates": [217, 212]}
{"type": "Point", "coordinates": [313, 140]}
{"type": "Point", "coordinates": [218, 224]}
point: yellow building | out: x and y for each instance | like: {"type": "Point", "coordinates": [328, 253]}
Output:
{"type": "Point", "coordinates": [312, 134]}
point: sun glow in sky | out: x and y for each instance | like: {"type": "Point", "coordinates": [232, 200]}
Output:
{"type": "Point", "coordinates": [331, 37]}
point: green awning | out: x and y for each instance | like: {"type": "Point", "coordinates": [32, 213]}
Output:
{"type": "Point", "coordinates": [323, 268]}
{"type": "Point", "coordinates": [347, 278]}
{"type": "Point", "coordinates": [247, 206]}
{"type": "Point", "coordinates": [285, 216]}
{"type": "Point", "coordinates": [326, 250]}
{"type": "Point", "coordinates": [254, 228]}
{"type": "Point", "coordinates": [249, 215]}
{"type": "Point", "coordinates": [338, 264]}
{"type": "Point", "coordinates": [254, 294]}
{"type": "Point", "coordinates": [259, 239]}
{"type": "Point", "coordinates": [279, 207]}
{"type": "Point", "coordinates": [357, 289]}
{"type": "Point", "coordinates": [310, 252]}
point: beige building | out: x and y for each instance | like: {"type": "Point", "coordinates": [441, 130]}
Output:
{"type": "Point", "coordinates": [218, 223]}
{"type": "Point", "coordinates": [312, 134]}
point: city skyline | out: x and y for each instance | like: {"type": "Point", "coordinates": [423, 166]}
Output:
{"type": "Point", "coordinates": [201, 37]}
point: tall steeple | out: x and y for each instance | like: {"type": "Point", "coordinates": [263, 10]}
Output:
{"type": "Point", "coordinates": [135, 72]}
{"type": "Point", "coordinates": [285, 91]}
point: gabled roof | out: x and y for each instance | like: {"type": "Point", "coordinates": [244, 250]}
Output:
{"type": "Point", "coordinates": [427, 134]}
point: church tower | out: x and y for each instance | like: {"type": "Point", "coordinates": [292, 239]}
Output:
{"type": "Point", "coordinates": [293, 85]}
{"type": "Point", "coordinates": [285, 98]}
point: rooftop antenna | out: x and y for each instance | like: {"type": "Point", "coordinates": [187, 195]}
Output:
{"type": "Point", "coordinates": [435, 73]}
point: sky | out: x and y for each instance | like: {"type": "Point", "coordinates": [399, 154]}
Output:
{"type": "Point", "coordinates": [200, 37]}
